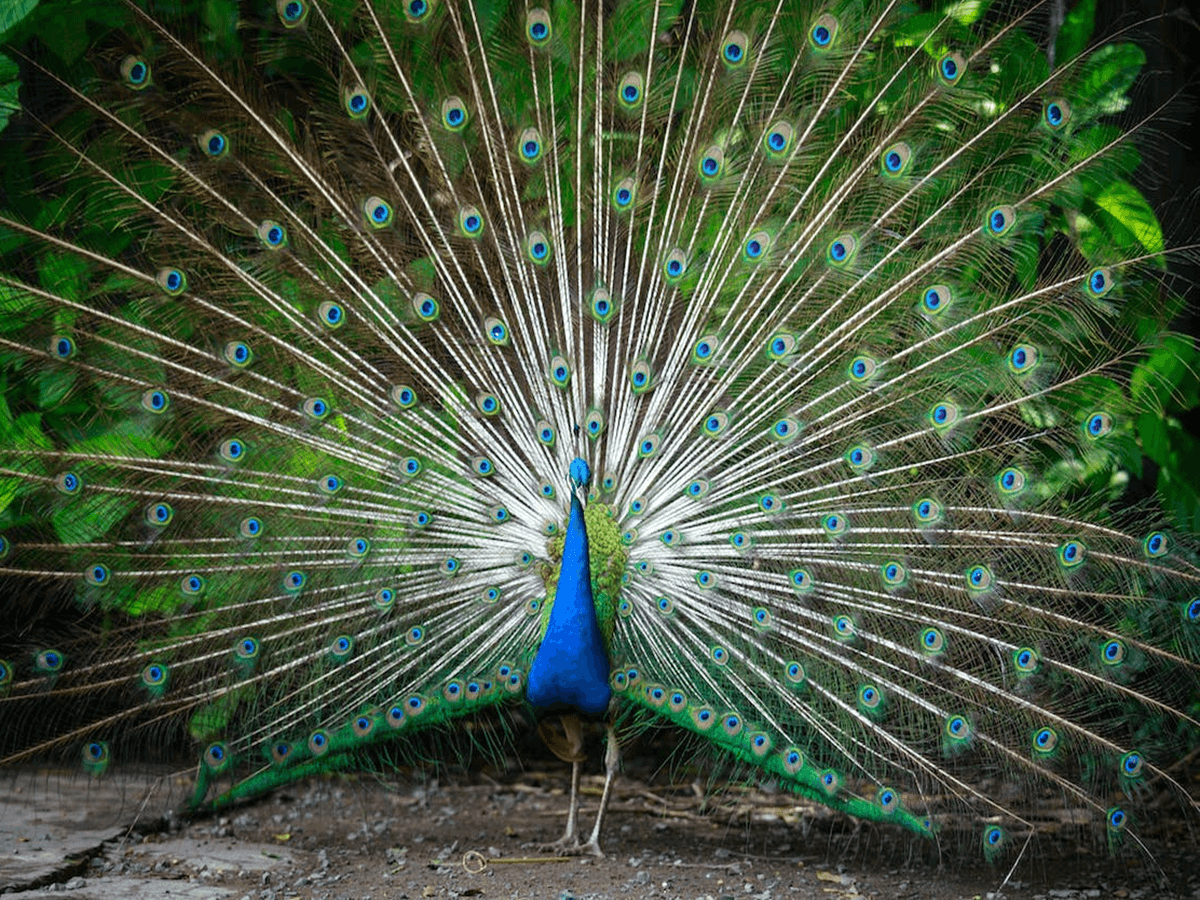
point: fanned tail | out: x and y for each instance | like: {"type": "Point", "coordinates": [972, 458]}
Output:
{"type": "Point", "coordinates": [308, 318]}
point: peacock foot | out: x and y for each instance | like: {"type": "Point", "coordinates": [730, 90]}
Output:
{"type": "Point", "coordinates": [568, 845]}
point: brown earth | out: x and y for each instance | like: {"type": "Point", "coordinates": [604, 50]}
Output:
{"type": "Point", "coordinates": [477, 834]}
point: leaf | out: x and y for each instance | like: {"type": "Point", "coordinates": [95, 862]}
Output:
{"type": "Point", "coordinates": [1107, 76]}
{"type": "Point", "coordinates": [1076, 32]}
{"type": "Point", "coordinates": [12, 12]}
{"type": "Point", "coordinates": [1125, 203]}
{"type": "Point", "coordinates": [89, 517]}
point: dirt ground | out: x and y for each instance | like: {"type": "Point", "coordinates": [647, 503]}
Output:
{"type": "Point", "coordinates": [477, 834]}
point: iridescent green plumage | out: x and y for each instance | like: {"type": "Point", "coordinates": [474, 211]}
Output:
{"type": "Point", "coordinates": [848, 308]}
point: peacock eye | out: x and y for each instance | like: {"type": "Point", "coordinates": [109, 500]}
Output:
{"type": "Point", "coordinates": [454, 114]}
{"type": "Point", "coordinates": [291, 12]}
{"type": "Point", "coordinates": [896, 159]}
{"type": "Point", "coordinates": [538, 27]}
{"type": "Point", "coordinates": [778, 140]}
{"type": "Point", "coordinates": [950, 69]}
{"type": "Point", "coordinates": [357, 102]}
{"type": "Point", "coordinates": [631, 91]}
{"type": "Point", "coordinates": [135, 72]}
{"type": "Point", "coordinates": [735, 49]}
{"type": "Point", "coordinates": [623, 194]}
{"type": "Point", "coordinates": [213, 143]}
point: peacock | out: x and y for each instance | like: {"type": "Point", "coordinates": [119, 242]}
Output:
{"type": "Point", "coordinates": [771, 373]}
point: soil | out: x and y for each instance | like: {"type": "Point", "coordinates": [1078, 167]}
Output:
{"type": "Point", "coordinates": [479, 834]}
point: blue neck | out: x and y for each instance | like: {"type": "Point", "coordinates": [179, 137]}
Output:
{"type": "Point", "coordinates": [571, 666]}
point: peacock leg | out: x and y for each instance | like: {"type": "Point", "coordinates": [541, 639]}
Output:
{"type": "Point", "coordinates": [612, 755]}
{"type": "Point", "coordinates": [569, 748]}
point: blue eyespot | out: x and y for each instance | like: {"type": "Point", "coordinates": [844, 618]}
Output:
{"type": "Point", "coordinates": [426, 308]}
{"type": "Point", "coordinates": [529, 145]}
{"type": "Point", "coordinates": [844, 627]}
{"type": "Point", "coordinates": [1100, 282]}
{"type": "Point", "coordinates": [756, 245]}
{"type": "Point", "coordinates": [273, 235]}
{"type": "Point", "coordinates": [1023, 359]}
{"type": "Point", "coordinates": [1056, 113]}
{"type": "Point", "coordinates": [1191, 608]}
{"type": "Point", "coordinates": [1117, 819]}
{"type": "Point", "coordinates": [291, 12]}
{"type": "Point", "coordinates": [62, 346]}
{"type": "Point", "coordinates": [802, 581]}
{"type": "Point", "coordinates": [1155, 545]}
{"type": "Point", "coordinates": [835, 525]}
{"type": "Point", "coordinates": [1001, 220]}
{"type": "Point", "coordinates": [734, 49]}
{"type": "Point", "coordinates": [1132, 764]}
{"type": "Point", "coordinates": [778, 140]}
{"type": "Point", "coordinates": [1011, 481]}
{"type": "Point", "coordinates": [712, 163]}
{"type": "Point", "coordinates": [862, 369]}
{"type": "Point", "coordinates": [488, 404]}
{"type": "Point", "coordinates": [979, 578]}
{"type": "Point", "coordinates": [68, 483]}
{"type": "Point", "coordinates": [841, 249]}
{"type": "Point", "coordinates": [537, 247]}
{"type": "Point", "coordinates": [933, 641]}
{"type": "Point", "coordinates": [623, 194]}
{"type": "Point", "coordinates": [1045, 741]}
{"type": "Point", "coordinates": [950, 68]}
{"type": "Point", "coordinates": [602, 306]}
{"type": "Point", "coordinates": [537, 26]}
{"type": "Point", "coordinates": [231, 450]}
{"type": "Point", "coordinates": [640, 377]}
{"type": "Point", "coordinates": [159, 514]}
{"type": "Point", "coordinates": [630, 90]}
{"type": "Point", "coordinates": [470, 221]}
{"type": "Point", "coordinates": [1071, 554]}
{"type": "Point", "coordinates": [1099, 424]}
{"type": "Point", "coordinates": [958, 728]}
{"type": "Point", "coordinates": [192, 584]}
{"type": "Point", "coordinates": [454, 114]}
{"type": "Point", "coordinates": [216, 757]}
{"type": "Point", "coordinates": [1113, 652]}
{"type": "Point", "coordinates": [172, 281]}
{"type": "Point", "coordinates": [822, 33]}
{"type": "Point", "coordinates": [213, 143]}
{"type": "Point", "coordinates": [135, 72]}
{"type": "Point", "coordinates": [378, 212]}
{"type": "Point", "coordinates": [357, 102]}
{"type": "Point", "coordinates": [927, 511]}
{"type": "Point", "coordinates": [943, 415]}
{"type": "Point", "coordinates": [895, 160]}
